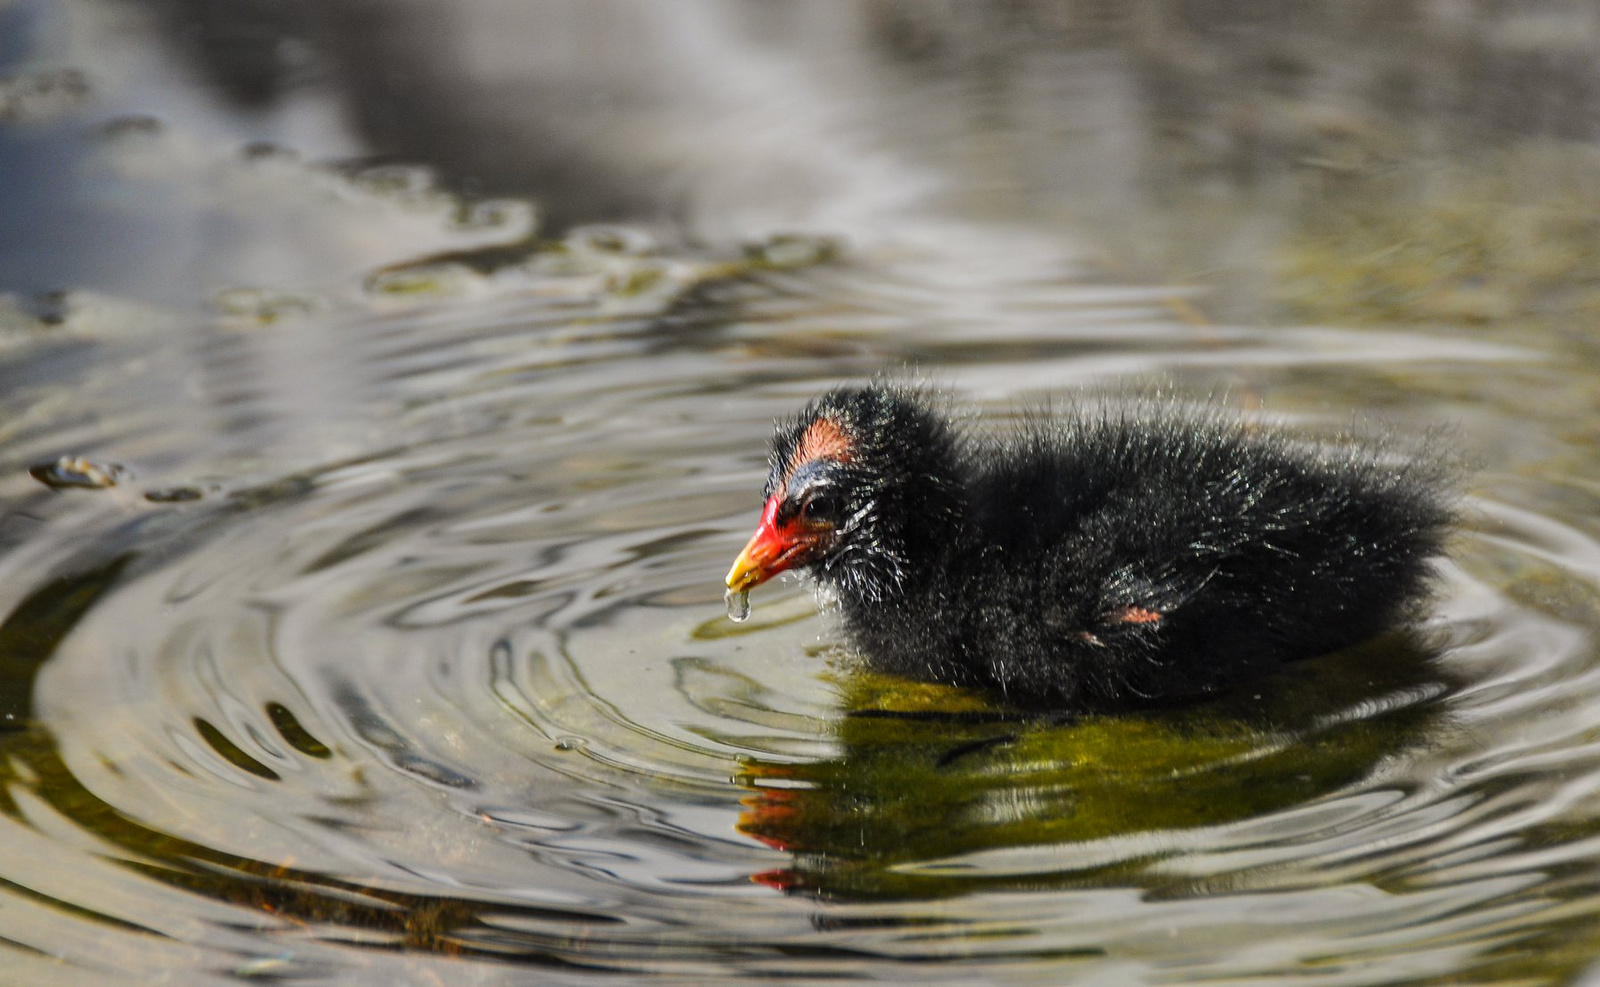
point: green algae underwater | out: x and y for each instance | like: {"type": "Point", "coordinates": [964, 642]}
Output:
{"type": "Point", "coordinates": [930, 777]}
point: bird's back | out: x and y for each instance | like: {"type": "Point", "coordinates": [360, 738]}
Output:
{"type": "Point", "coordinates": [1150, 553]}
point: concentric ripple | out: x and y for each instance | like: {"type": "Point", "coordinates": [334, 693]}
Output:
{"type": "Point", "coordinates": [434, 670]}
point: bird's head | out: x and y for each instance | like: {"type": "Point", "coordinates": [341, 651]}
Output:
{"type": "Point", "coordinates": [860, 485]}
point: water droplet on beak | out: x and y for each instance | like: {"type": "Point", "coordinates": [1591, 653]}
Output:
{"type": "Point", "coordinates": [738, 605]}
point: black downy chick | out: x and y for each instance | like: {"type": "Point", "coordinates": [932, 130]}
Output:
{"type": "Point", "coordinates": [1110, 559]}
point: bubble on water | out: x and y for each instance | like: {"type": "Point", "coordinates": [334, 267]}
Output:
{"type": "Point", "coordinates": [793, 250]}
{"type": "Point", "coordinates": [738, 605]}
{"type": "Point", "coordinates": [76, 471]}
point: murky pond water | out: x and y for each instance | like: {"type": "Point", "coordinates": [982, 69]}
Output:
{"type": "Point", "coordinates": [363, 616]}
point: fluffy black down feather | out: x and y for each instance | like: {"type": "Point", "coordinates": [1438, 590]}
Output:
{"type": "Point", "coordinates": [1111, 556]}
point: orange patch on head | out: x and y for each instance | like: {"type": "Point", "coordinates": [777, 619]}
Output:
{"type": "Point", "coordinates": [1134, 615]}
{"type": "Point", "coordinates": [822, 439]}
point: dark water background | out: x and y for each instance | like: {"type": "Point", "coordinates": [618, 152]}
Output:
{"type": "Point", "coordinates": [429, 350]}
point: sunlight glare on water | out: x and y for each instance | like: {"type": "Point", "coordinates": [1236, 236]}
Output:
{"type": "Point", "coordinates": [360, 611]}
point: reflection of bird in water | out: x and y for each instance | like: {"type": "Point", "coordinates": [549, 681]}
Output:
{"type": "Point", "coordinates": [926, 774]}
{"type": "Point", "coordinates": [1110, 559]}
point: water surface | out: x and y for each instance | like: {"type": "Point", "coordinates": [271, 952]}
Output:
{"type": "Point", "coordinates": [392, 647]}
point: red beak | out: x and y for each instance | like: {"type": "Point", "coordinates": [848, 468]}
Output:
{"type": "Point", "coordinates": [773, 548]}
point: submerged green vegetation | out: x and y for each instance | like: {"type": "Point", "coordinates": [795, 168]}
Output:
{"type": "Point", "coordinates": [930, 777]}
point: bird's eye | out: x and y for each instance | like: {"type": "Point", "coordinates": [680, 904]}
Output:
{"type": "Point", "coordinates": [822, 507]}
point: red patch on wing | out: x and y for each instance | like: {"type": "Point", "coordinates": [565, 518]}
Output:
{"type": "Point", "coordinates": [823, 438]}
{"type": "Point", "coordinates": [1134, 615]}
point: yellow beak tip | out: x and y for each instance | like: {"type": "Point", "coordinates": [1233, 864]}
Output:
{"type": "Point", "coordinates": [742, 576]}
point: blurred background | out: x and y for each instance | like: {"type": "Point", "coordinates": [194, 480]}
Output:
{"type": "Point", "coordinates": [384, 389]}
{"type": "Point", "coordinates": [1230, 145]}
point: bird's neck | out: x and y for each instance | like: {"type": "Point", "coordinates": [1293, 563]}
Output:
{"type": "Point", "coordinates": [915, 542]}
{"type": "Point", "coordinates": [906, 614]}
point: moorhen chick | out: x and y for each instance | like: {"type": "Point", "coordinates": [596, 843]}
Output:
{"type": "Point", "coordinates": [1111, 558]}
